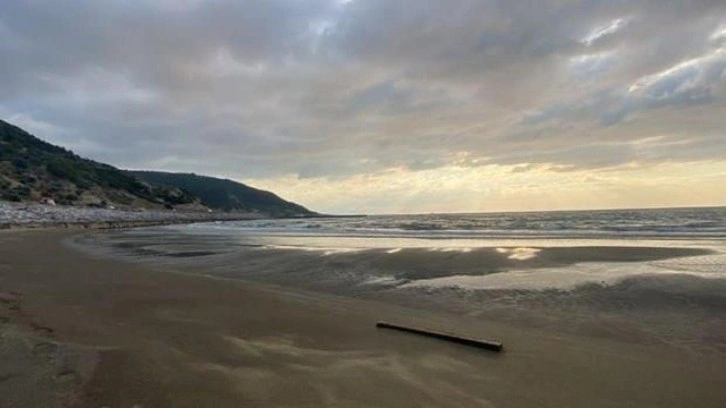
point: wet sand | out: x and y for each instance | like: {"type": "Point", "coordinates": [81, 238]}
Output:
{"type": "Point", "coordinates": [89, 332]}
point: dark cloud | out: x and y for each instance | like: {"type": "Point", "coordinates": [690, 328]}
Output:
{"type": "Point", "coordinates": [265, 88]}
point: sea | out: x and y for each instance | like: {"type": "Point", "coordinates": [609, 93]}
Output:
{"type": "Point", "coordinates": [650, 275]}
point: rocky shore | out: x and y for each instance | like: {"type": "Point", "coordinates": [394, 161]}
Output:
{"type": "Point", "coordinates": [13, 215]}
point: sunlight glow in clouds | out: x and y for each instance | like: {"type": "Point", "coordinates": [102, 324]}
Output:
{"type": "Point", "coordinates": [511, 188]}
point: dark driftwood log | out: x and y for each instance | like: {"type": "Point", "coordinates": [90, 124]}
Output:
{"type": "Point", "coordinates": [482, 344]}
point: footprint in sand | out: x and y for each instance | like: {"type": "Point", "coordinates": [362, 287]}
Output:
{"type": "Point", "coordinates": [42, 330]}
{"type": "Point", "coordinates": [67, 376]}
{"type": "Point", "coordinates": [44, 349]}
{"type": "Point", "coordinates": [12, 302]}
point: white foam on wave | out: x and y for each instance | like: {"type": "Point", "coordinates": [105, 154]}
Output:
{"type": "Point", "coordinates": [386, 280]}
{"type": "Point", "coordinates": [463, 250]}
{"type": "Point", "coordinates": [520, 253]}
{"type": "Point", "coordinates": [567, 278]}
{"type": "Point", "coordinates": [394, 250]}
{"type": "Point", "coordinates": [325, 251]}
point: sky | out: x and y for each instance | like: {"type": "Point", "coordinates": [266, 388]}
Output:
{"type": "Point", "coordinates": [386, 106]}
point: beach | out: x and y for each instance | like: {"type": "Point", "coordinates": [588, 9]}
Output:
{"type": "Point", "coordinates": [105, 332]}
{"type": "Point", "coordinates": [349, 203]}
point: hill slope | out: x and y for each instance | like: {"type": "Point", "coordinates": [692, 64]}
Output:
{"type": "Point", "coordinates": [226, 195]}
{"type": "Point", "coordinates": [31, 169]}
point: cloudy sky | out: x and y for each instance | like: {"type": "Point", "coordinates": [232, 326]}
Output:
{"type": "Point", "coordinates": [385, 105]}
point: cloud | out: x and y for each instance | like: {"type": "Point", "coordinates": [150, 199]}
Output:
{"type": "Point", "coordinates": [691, 81]}
{"type": "Point", "coordinates": [604, 31]}
{"type": "Point", "coordinates": [590, 66]}
{"type": "Point", "coordinates": [342, 89]}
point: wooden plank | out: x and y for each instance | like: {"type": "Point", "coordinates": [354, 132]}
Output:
{"type": "Point", "coordinates": [482, 344]}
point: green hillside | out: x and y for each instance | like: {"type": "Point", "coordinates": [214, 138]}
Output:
{"type": "Point", "coordinates": [225, 195]}
{"type": "Point", "coordinates": [31, 169]}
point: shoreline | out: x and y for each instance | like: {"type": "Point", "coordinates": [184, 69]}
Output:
{"type": "Point", "coordinates": [101, 332]}
{"type": "Point", "coordinates": [104, 225]}
{"type": "Point", "coordinates": [14, 216]}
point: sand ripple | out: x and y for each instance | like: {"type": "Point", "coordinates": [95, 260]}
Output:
{"type": "Point", "coordinates": [707, 264]}
{"type": "Point", "coordinates": [319, 377]}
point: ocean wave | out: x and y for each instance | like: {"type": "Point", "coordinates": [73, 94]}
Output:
{"type": "Point", "coordinates": [687, 223]}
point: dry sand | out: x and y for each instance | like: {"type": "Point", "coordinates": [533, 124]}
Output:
{"type": "Point", "coordinates": [87, 332]}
